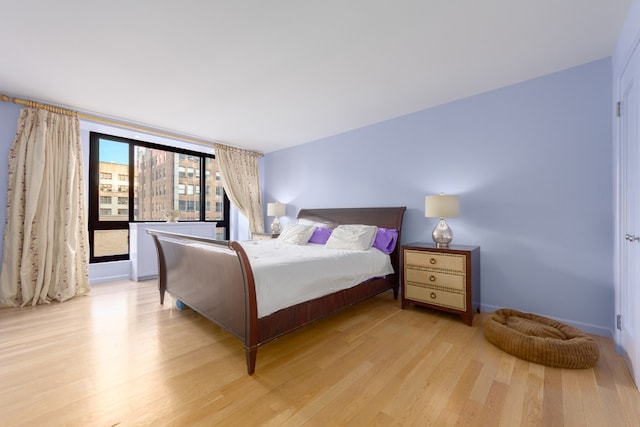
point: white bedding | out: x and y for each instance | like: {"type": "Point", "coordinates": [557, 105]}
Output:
{"type": "Point", "coordinates": [287, 274]}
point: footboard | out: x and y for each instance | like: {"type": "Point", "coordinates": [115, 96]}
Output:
{"type": "Point", "coordinates": [208, 275]}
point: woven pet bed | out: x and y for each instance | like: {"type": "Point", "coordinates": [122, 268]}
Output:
{"type": "Point", "coordinates": [540, 340]}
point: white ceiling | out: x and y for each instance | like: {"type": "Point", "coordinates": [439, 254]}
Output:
{"type": "Point", "coordinates": [266, 75]}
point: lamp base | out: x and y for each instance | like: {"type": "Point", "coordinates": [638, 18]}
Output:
{"type": "Point", "coordinates": [442, 234]}
{"type": "Point", "coordinates": [275, 226]}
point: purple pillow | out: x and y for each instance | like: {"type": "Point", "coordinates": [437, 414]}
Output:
{"type": "Point", "coordinates": [320, 235]}
{"type": "Point", "coordinates": [386, 239]}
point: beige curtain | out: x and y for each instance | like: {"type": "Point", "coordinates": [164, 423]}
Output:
{"type": "Point", "coordinates": [239, 170]}
{"type": "Point", "coordinates": [45, 254]}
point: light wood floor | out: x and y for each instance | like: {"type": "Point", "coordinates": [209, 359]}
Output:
{"type": "Point", "coordinates": [118, 358]}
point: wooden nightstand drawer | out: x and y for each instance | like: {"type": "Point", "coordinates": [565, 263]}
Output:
{"type": "Point", "coordinates": [436, 297]}
{"type": "Point", "coordinates": [440, 261]}
{"type": "Point", "coordinates": [434, 278]}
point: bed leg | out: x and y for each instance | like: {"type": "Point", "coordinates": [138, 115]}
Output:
{"type": "Point", "coordinates": [396, 287]}
{"type": "Point", "coordinates": [251, 355]}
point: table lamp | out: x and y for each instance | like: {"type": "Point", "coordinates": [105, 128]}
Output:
{"type": "Point", "coordinates": [441, 206]}
{"type": "Point", "coordinates": [276, 209]}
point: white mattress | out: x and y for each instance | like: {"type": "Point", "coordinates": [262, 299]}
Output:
{"type": "Point", "coordinates": [287, 274]}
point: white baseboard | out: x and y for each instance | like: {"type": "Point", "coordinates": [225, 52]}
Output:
{"type": "Point", "coordinates": [585, 327]}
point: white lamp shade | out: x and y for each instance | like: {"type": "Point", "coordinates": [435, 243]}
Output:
{"type": "Point", "coordinates": [441, 206]}
{"type": "Point", "coordinates": [276, 209]}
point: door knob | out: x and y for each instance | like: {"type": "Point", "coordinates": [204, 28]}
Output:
{"type": "Point", "coordinates": [631, 237]}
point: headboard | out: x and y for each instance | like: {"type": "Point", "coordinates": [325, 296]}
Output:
{"type": "Point", "coordinates": [382, 217]}
{"type": "Point", "coordinates": [385, 217]}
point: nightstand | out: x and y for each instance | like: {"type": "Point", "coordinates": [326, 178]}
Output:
{"type": "Point", "coordinates": [263, 236]}
{"type": "Point", "coordinates": [446, 279]}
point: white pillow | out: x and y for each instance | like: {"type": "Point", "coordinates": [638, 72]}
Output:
{"type": "Point", "coordinates": [356, 237]}
{"type": "Point", "coordinates": [298, 234]}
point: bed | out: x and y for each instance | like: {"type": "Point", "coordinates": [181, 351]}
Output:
{"type": "Point", "coordinates": [216, 279]}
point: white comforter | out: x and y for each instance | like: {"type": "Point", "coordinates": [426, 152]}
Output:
{"type": "Point", "coordinates": [287, 274]}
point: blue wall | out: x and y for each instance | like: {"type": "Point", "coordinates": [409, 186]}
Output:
{"type": "Point", "coordinates": [532, 164]}
{"type": "Point", "coordinates": [9, 114]}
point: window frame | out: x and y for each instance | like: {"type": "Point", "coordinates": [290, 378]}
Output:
{"type": "Point", "coordinates": [94, 194]}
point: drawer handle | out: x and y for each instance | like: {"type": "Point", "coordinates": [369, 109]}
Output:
{"type": "Point", "coordinates": [432, 278]}
{"type": "Point", "coordinates": [432, 260]}
{"type": "Point", "coordinates": [433, 295]}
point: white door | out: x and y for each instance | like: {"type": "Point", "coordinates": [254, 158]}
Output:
{"type": "Point", "coordinates": [628, 289]}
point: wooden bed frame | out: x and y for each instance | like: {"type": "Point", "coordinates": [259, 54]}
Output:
{"type": "Point", "coordinates": [215, 279]}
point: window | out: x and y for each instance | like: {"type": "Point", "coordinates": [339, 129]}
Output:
{"type": "Point", "coordinates": [137, 164]}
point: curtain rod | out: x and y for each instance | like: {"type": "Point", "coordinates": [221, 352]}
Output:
{"type": "Point", "coordinates": [97, 119]}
